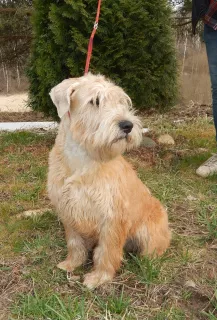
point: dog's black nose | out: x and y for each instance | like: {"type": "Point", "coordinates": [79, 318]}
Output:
{"type": "Point", "coordinates": [126, 126]}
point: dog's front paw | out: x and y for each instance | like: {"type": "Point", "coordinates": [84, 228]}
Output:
{"type": "Point", "coordinates": [96, 278]}
{"type": "Point", "coordinates": [66, 265]}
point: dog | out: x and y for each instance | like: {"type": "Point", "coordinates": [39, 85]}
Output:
{"type": "Point", "coordinates": [101, 202]}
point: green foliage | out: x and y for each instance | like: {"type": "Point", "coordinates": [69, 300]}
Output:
{"type": "Point", "coordinates": [188, 5]}
{"type": "Point", "coordinates": [147, 269]}
{"type": "Point", "coordinates": [133, 46]}
{"type": "Point", "coordinates": [212, 315]}
{"type": "Point", "coordinates": [115, 303]}
{"type": "Point", "coordinates": [172, 314]}
{"type": "Point", "coordinates": [50, 306]}
{"type": "Point", "coordinates": [208, 218]}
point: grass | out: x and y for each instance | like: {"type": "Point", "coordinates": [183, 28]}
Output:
{"type": "Point", "coordinates": [180, 285]}
{"type": "Point", "coordinates": [49, 307]}
{"type": "Point", "coordinates": [147, 269]}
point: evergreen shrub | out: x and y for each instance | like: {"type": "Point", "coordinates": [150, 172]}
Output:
{"type": "Point", "coordinates": [134, 46]}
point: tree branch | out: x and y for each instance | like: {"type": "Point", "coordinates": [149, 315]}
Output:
{"type": "Point", "coordinates": [182, 24]}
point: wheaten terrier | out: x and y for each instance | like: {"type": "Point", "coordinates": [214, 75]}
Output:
{"type": "Point", "coordinates": [98, 196]}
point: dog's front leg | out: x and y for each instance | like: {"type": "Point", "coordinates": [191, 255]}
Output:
{"type": "Point", "coordinates": [108, 254]}
{"type": "Point", "coordinates": [77, 252]}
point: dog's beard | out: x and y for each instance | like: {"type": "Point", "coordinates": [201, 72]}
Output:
{"type": "Point", "coordinates": [123, 136]}
{"type": "Point", "coordinates": [109, 149]}
{"type": "Point", "coordinates": [125, 142]}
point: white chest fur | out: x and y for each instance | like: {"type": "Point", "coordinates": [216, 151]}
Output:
{"type": "Point", "coordinates": [77, 158]}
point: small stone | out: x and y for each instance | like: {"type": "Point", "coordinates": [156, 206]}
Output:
{"type": "Point", "coordinates": [183, 152]}
{"type": "Point", "coordinates": [191, 104]}
{"type": "Point", "coordinates": [74, 278]}
{"type": "Point", "coordinates": [166, 139]}
{"type": "Point", "coordinates": [190, 284]}
{"type": "Point", "coordinates": [179, 121]}
{"type": "Point", "coordinates": [145, 130]}
{"type": "Point", "coordinates": [33, 213]}
{"type": "Point", "coordinates": [148, 142]}
{"type": "Point", "coordinates": [191, 198]}
{"type": "Point", "coordinates": [214, 246]}
{"type": "Point", "coordinates": [202, 150]}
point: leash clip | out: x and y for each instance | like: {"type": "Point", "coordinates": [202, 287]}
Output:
{"type": "Point", "coordinates": [69, 275]}
{"type": "Point", "coordinates": [95, 25]}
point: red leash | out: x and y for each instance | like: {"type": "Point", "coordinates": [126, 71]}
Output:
{"type": "Point", "coordinates": [90, 45]}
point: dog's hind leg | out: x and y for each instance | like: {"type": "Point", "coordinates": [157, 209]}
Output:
{"type": "Point", "coordinates": [153, 239]}
{"type": "Point", "coordinates": [138, 242]}
{"type": "Point", "coordinates": [77, 253]}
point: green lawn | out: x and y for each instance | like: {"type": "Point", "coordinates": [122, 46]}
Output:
{"type": "Point", "coordinates": [180, 285]}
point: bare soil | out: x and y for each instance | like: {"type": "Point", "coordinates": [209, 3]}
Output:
{"type": "Point", "coordinates": [23, 117]}
{"type": "Point", "coordinates": [14, 102]}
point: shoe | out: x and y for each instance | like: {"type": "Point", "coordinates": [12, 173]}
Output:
{"type": "Point", "coordinates": [208, 168]}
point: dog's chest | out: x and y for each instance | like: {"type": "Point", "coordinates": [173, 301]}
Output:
{"type": "Point", "coordinates": [82, 201]}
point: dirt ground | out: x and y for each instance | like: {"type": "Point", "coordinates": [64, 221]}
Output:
{"type": "Point", "coordinates": [23, 116]}
{"type": "Point", "coordinates": [14, 103]}
{"type": "Point", "coordinates": [13, 108]}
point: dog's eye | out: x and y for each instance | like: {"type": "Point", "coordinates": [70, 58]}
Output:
{"type": "Point", "coordinates": [96, 102]}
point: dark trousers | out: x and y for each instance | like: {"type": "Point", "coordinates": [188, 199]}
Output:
{"type": "Point", "coordinates": [210, 38]}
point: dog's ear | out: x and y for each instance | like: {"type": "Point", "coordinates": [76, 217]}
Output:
{"type": "Point", "coordinates": [61, 94]}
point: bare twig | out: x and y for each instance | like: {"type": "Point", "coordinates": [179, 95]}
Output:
{"type": "Point", "coordinates": [182, 24]}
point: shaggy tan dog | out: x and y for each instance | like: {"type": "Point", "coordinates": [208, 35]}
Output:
{"type": "Point", "coordinates": [98, 196]}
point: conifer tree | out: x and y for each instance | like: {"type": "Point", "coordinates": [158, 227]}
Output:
{"type": "Point", "coordinates": [133, 46]}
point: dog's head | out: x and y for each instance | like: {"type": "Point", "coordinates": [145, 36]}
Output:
{"type": "Point", "coordinates": [101, 117]}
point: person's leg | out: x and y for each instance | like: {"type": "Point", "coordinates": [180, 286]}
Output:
{"type": "Point", "coordinates": [210, 38]}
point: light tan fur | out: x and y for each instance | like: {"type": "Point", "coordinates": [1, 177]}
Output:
{"type": "Point", "coordinates": [98, 196]}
